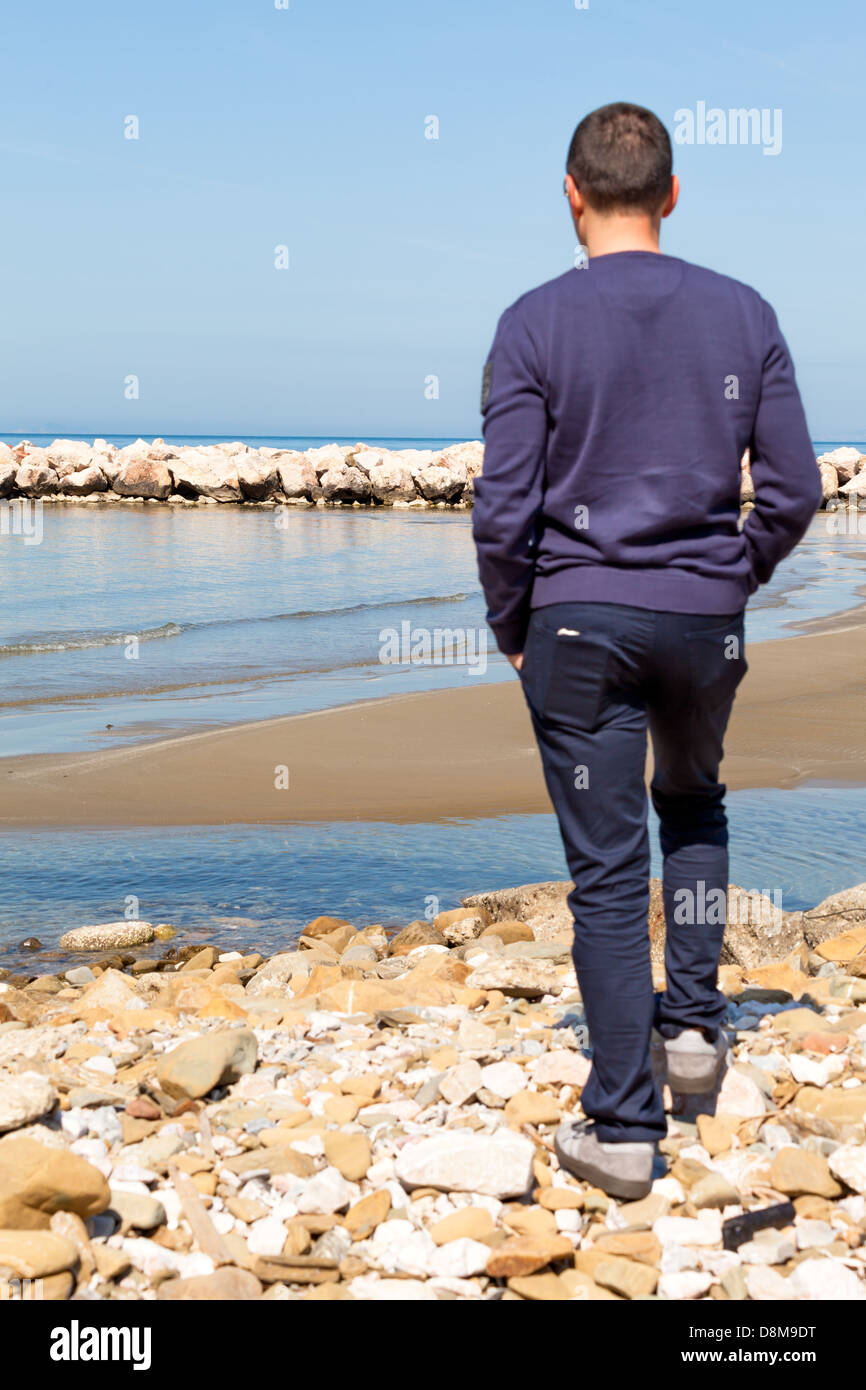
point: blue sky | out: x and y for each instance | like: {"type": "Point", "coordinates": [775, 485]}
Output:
{"type": "Point", "coordinates": [305, 127]}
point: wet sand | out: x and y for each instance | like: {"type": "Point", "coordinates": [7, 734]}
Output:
{"type": "Point", "coordinates": [450, 753]}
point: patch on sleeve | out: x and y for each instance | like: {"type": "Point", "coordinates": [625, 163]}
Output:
{"type": "Point", "coordinates": [486, 383]}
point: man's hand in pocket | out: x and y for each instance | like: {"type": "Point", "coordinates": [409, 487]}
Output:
{"type": "Point", "coordinates": [517, 660]}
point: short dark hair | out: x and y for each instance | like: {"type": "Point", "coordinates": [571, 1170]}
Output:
{"type": "Point", "coordinates": [620, 157]}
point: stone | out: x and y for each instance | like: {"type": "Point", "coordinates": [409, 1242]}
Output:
{"type": "Point", "coordinates": [508, 932]}
{"type": "Point", "coordinates": [459, 1084]}
{"type": "Point", "coordinates": [349, 1153]}
{"type": "Point", "coordinates": [628, 1278]}
{"type": "Point", "coordinates": [327, 1192]}
{"type": "Point", "coordinates": [137, 1210]}
{"type": "Point", "coordinates": [462, 924]}
{"type": "Point", "coordinates": [767, 1285]}
{"type": "Point", "coordinates": [36, 1254]}
{"type": "Point", "coordinates": [469, 1223]}
{"type": "Point", "coordinates": [826, 1281]}
{"type": "Point", "coordinates": [34, 478]}
{"type": "Point", "coordinates": [107, 936]}
{"type": "Point", "coordinates": [416, 934]}
{"type": "Point", "coordinates": [224, 1285]}
{"type": "Point", "coordinates": [769, 1247]}
{"type": "Point", "coordinates": [112, 990]}
{"type": "Point", "coordinates": [146, 477]}
{"type": "Point", "coordinates": [843, 948]}
{"type": "Point", "coordinates": [561, 1066]}
{"type": "Point", "coordinates": [391, 482]}
{"type": "Point", "coordinates": [848, 1163]}
{"type": "Point", "coordinates": [365, 1215]}
{"type": "Point", "coordinates": [740, 1096]}
{"type": "Point", "coordinates": [802, 1172]}
{"type": "Point", "coordinates": [532, 1108]}
{"type": "Point", "coordinates": [194, 1068]}
{"type": "Point", "coordinates": [24, 1097]}
{"type": "Point", "coordinates": [504, 1079]}
{"type": "Point", "coordinates": [204, 472]}
{"type": "Point", "coordinates": [527, 1254]}
{"type": "Point", "coordinates": [716, 1132]}
{"type": "Point", "coordinates": [517, 977]}
{"type": "Point", "coordinates": [843, 1106]}
{"type": "Point", "coordinates": [36, 1181]}
{"type": "Point", "coordinates": [643, 1246]}
{"type": "Point", "coordinates": [713, 1190]}
{"type": "Point", "coordinates": [458, 1160]}
{"type": "Point", "coordinates": [541, 1288]}
{"type": "Point", "coordinates": [685, 1284]}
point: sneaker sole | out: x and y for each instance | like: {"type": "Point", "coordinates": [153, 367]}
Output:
{"type": "Point", "coordinates": [630, 1189]}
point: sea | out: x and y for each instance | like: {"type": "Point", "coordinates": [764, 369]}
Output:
{"type": "Point", "coordinates": [127, 624]}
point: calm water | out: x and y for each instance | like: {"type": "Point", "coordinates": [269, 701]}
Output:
{"type": "Point", "coordinates": [256, 886]}
{"type": "Point", "coordinates": [237, 618]}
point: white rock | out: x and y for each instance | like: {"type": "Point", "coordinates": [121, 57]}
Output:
{"type": "Point", "coordinates": [460, 1259]}
{"type": "Point", "coordinates": [327, 1192]}
{"type": "Point", "coordinates": [686, 1284]}
{"type": "Point", "coordinates": [740, 1095]}
{"type": "Point", "coordinates": [767, 1285]}
{"type": "Point", "coordinates": [848, 1163]}
{"type": "Point", "coordinates": [676, 1258]}
{"type": "Point", "coordinates": [561, 1067]}
{"type": "Point", "coordinates": [24, 1097]}
{"type": "Point", "coordinates": [267, 1236]}
{"type": "Point", "coordinates": [688, 1230]}
{"type": "Point", "coordinates": [504, 1079]}
{"type": "Point", "coordinates": [107, 935]}
{"type": "Point", "coordinates": [810, 1072]}
{"type": "Point", "coordinates": [459, 1084]}
{"type": "Point", "coordinates": [768, 1248]}
{"type": "Point", "coordinates": [811, 1233]}
{"type": "Point", "coordinates": [458, 1160]}
{"type": "Point", "coordinates": [828, 1280]}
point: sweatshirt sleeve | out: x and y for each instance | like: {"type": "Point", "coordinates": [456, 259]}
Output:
{"type": "Point", "coordinates": [786, 477]}
{"type": "Point", "coordinates": [510, 491]}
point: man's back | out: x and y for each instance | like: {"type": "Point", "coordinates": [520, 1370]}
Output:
{"type": "Point", "coordinates": [619, 401]}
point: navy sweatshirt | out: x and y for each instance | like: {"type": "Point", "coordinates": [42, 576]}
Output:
{"type": "Point", "coordinates": [618, 400]}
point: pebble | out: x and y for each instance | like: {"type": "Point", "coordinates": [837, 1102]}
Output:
{"type": "Point", "coordinates": [24, 1097]}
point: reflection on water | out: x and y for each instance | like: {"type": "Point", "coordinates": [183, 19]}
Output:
{"type": "Point", "coordinates": [256, 886]}
{"type": "Point", "coordinates": [126, 622]}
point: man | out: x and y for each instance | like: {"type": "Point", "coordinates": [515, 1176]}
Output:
{"type": "Point", "coordinates": [618, 401]}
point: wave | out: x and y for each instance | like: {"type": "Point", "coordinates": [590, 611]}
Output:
{"type": "Point", "coordinates": [81, 641]}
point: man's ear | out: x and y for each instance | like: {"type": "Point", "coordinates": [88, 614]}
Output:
{"type": "Point", "coordinates": [673, 196]}
{"type": "Point", "coordinates": [574, 196]}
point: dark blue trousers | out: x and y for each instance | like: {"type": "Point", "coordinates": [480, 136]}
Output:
{"type": "Point", "coordinates": [597, 677]}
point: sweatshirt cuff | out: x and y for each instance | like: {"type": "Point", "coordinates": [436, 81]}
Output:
{"type": "Point", "coordinates": [510, 636]}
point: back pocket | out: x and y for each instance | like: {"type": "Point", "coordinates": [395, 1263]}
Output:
{"type": "Point", "coordinates": [576, 684]}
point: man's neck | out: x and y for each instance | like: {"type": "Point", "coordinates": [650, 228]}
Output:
{"type": "Point", "coordinates": [608, 235]}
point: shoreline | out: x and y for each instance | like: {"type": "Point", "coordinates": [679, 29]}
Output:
{"type": "Point", "coordinates": [427, 756]}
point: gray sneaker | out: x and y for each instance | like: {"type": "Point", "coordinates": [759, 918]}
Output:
{"type": "Point", "coordinates": [694, 1064]}
{"type": "Point", "coordinates": [620, 1170]}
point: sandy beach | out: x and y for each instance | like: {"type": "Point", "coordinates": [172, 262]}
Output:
{"type": "Point", "coordinates": [462, 752]}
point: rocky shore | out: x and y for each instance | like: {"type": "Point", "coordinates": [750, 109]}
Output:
{"type": "Point", "coordinates": [369, 1116]}
{"type": "Point", "coordinates": [357, 475]}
